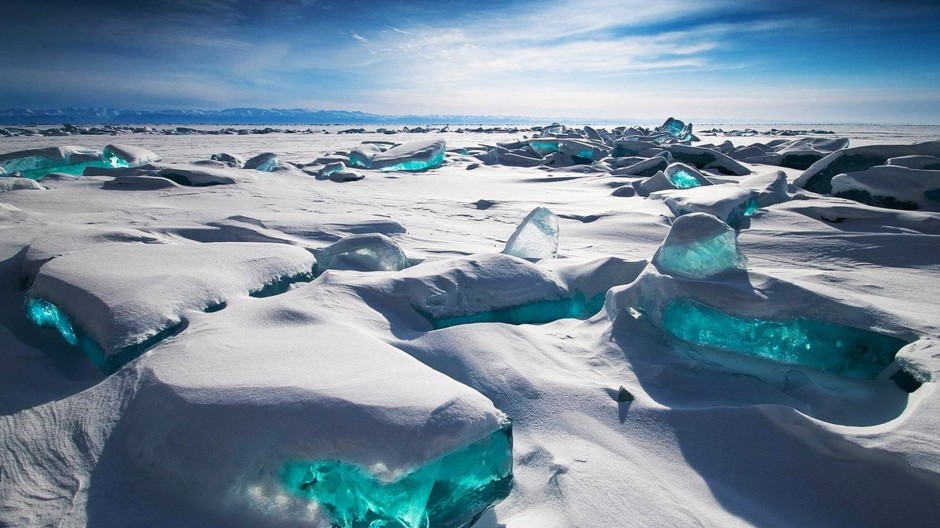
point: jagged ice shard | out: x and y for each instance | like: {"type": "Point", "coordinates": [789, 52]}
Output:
{"type": "Point", "coordinates": [825, 346]}
{"type": "Point", "coordinates": [698, 246]}
{"type": "Point", "coordinates": [536, 237]}
{"type": "Point", "coordinates": [449, 492]}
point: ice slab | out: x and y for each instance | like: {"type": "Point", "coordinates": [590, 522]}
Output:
{"type": "Point", "coordinates": [36, 163]}
{"type": "Point", "coordinates": [825, 346]}
{"type": "Point", "coordinates": [676, 129]}
{"type": "Point", "coordinates": [367, 252]}
{"type": "Point", "coordinates": [819, 176]}
{"type": "Point", "coordinates": [891, 186]}
{"type": "Point", "coordinates": [730, 203]}
{"type": "Point", "coordinates": [536, 237]}
{"type": "Point", "coordinates": [122, 295]}
{"type": "Point", "coordinates": [362, 155]}
{"type": "Point", "coordinates": [128, 155]}
{"type": "Point", "coordinates": [684, 177]}
{"type": "Point", "coordinates": [699, 246]}
{"type": "Point", "coordinates": [264, 162]}
{"type": "Point", "coordinates": [770, 187]}
{"type": "Point", "coordinates": [453, 490]}
{"type": "Point", "coordinates": [647, 167]}
{"type": "Point", "coordinates": [11, 183]}
{"type": "Point", "coordinates": [412, 156]}
{"type": "Point", "coordinates": [706, 158]}
{"type": "Point", "coordinates": [916, 162]}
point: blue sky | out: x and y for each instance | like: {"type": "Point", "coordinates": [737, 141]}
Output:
{"type": "Point", "coordinates": [845, 61]}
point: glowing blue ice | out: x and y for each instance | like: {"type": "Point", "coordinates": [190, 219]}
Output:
{"type": "Point", "coordinates": [683, 180]}
{"type": "Point", "coordinates": [451, 491]}
{"type": "Point", "coordinates": [539, 312]}
{"type": "Point", "coordinates": [544, 147]}
{"type": "Point", "coordinates": [264, 162]}
{"type": "Point", "coordinates": [45, 314]}
{"type": "Point", "coordinates": [825, 346]}
{"type": "Point", "coordinates": [698, 246]}
{"type": "Point", "coordinates": [416, 165]}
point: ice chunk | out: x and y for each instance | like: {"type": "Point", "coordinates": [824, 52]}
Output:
{"type": "Point", "coordinates": [676, 129]}
{"type": "Point", "coordinates": [730, 203]}
{"type": "Point", "coordinates": [544, 147]}
{"type": "Point", "coordinates": [369, 252]}
{"type": "Point", "coordinates": [646, 167]}
{"type": "Point", "coordinates": [536, 237]}
{"type": "Point", "coordinates": [36, 163]}
{"type": "Point", "coordinates": [825, 346]}
{"type": "Point", "coordinates": [128, 155]}
{"type": "Point", "coordinates": [916, 162]}
{"type": "Point", "coordinates": [819, 176]}
{"type": "Point", "coordinates": [770, 187]}
{"type": "Point", "coordinates": [10, 183]}
{"type": "Point", "coordinates": [231, 160]}
{"type": "Point", "coordinates": [124, 312]}
{"type": "Point", "coordinates": [699, 246]}
{"type": "Point", "coordinates": [196, 176]}
{"type": "Point", "coordinates": [890, 186]}
{"type": "Point", "coordinates": [264, 162]}
{"type": "Point", "coordinates": [412, 156]}
{"type": "Point", "coordinates": [684, 177]}
{"type": "Point", "coordinates": [362, 155]}
{"type": "Point", "coordinates": [453, 490]}
{"type": "Point", "coordinates": [706, 158]}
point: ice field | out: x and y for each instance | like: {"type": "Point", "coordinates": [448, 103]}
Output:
{"type": "Point", "coordinates": [649, 326]}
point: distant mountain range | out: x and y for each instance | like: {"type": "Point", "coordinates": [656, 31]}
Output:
{"type": "Point", "coordinates": [236, 116]}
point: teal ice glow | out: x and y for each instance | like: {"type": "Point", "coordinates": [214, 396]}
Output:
{"type": "Point", "coordinates": [817, 344]}
{"type": "Point", "coordinates": [703, 258]}
{"type": "Point", "coordinates": [540, 312]}
{"type": "Point", "coordinates": [35, 167]}
{"type": "Point", "coordinates": [543, 148]}
{"type": "Point", "coordinates": [684, 180]}
{"type": "Point", "coordinates": [45, 314]}
{"type": "Point", "coordinates": [451, 491]}
{"type": "Point", "coordinates": [751, 207]}
{"type": "Point", "coordinates": [417, 165]}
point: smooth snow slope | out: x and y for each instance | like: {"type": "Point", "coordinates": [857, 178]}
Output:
{"type": "Point", "coordinates": [351, 366]}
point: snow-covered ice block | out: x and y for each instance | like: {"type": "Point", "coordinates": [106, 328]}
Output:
{"type": "Point", "coordinates": [839, 349]}
{"type": "Point", "coordinates": [36, 163]}
{"type": "Point", "coordinates": [730, 203]}
{"type": "Point", "coordinates": [770, 187]}
{"type": "Point", "coordinates": [684, 177]}
{"type": "Point", "coordinates": [412, 156]}
{"type": "Point", "coordinates": [122, 296]}
{"type": "Point", "coordinates": [362, 155]}
{"type": "Point", "coordinates": [128, 155]}
{"type": "Point", "coordinates": [647, 167]}
{"type": "Point", "coordinates": [196, 176]}
{"type": "Point", "coordinates": [536, 237]}
{"type": "Point", "coordinates": [699, 246]}
{"type": "Point", "coordinates": [705, 158]}
{"type": "Point", "coordinates": [890, 186]}
{"type": "Point", "coordinates": [264, 162]}
{"type": "Point", "coordinates": [232, 160]}
{"type": "Point", "coordinates": [916, 162]}
{"type": "Point", "coordinates": [367, 252]}
{"type": "Point", "coordinates": [818, 177]}
{"type": "Point", "coordinates": [10, 183]}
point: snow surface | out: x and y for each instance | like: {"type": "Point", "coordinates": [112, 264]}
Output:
{"type": "Point", "coordinates": [350, 365]}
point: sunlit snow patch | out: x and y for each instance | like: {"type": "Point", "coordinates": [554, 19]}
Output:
{"type": "Point", "coordinates": [536, 237]}
{"type": "Point", "coordinates": [451, 491]}
{"type": "Point", "coordinates": [825, 346]}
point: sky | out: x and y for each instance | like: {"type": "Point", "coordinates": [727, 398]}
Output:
{"type": "Point", "coordinates": [803, 61]}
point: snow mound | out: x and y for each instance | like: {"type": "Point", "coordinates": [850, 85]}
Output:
{"type": "Point", "coordinates": [818, 177]}
{"type": "Point", "coordinates": [730, 203]}
{"type": "Point", "coordinates": [891, 186]}
{"type": "Point", "coordinates": [19, 184]}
